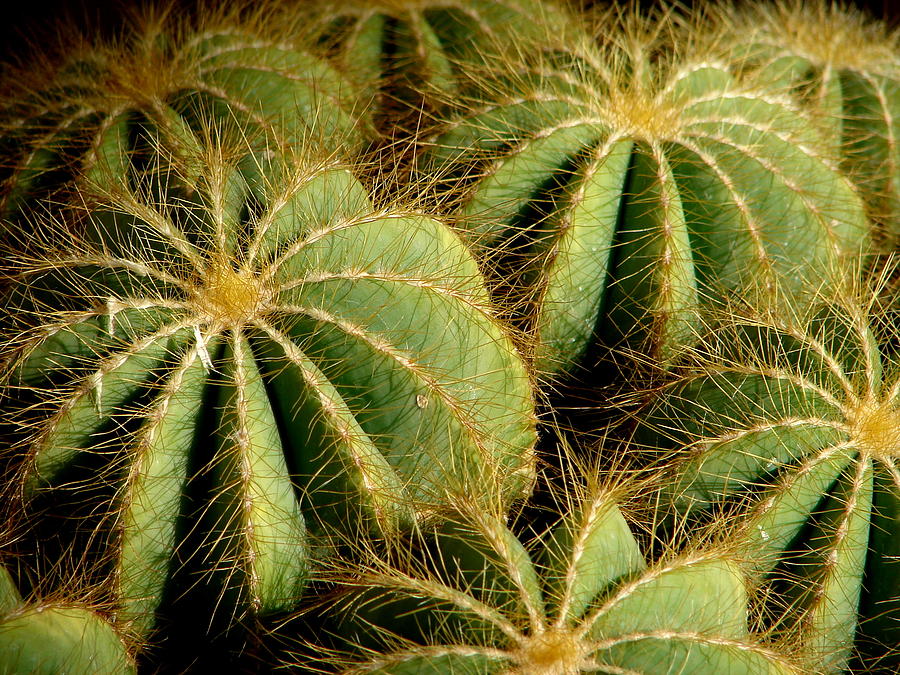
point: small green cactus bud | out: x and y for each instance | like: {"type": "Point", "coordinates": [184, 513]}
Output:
{"type": "Point", "coordinates": [50, 639]}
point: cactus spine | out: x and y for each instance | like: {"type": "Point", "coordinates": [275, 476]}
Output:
{"type": "Point", "coordinates": [635, 183]}
{"type": "Point", "coordinates": [844, 66]}
{"type": "Point", "coordinates": [790, 429]}
{"type": "Point", "coordinates": [578, 599]}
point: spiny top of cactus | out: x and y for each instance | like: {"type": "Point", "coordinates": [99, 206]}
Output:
{"type": "Point", "coordinates": [655, 76]}
{"type": "Point", "coordinates": [791, 425]}
{"type": "Point", "coordinates": [633, 68]}
{"type": "Point", "coordinates": [875, 429]}
{"type": "Point", "coordinates": [327, 365]}
{"type": "Point", "coordinates": [828, 34]}
{"type": "Point", "coordinates": [619, 177]}
{"type": "Point", "coordinates": [844, 67]}
{"type": "Point", "coordinates": [578, 598]}
{"type": "Point", "coordinates": [161, 84]}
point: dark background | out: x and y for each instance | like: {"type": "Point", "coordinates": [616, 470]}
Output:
{"type": "Point", "coordinates": [22, 21]}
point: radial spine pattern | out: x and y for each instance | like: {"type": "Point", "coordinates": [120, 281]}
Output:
{"type": "Point", "coordinates": [164, 80]}
{"type": "Point", "coordinates": [636, 181]}
{"type": "Point", "coordinates": [789, 428]}
{"type": "Point", "coordinates": [273, 349]}
{"type": "Point", "coordinates": [579, 599]}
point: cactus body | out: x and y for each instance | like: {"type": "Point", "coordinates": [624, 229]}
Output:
{"type": "Point", "coordinates": [844, 65]}
{"type": "Point", "coordinates": [428, 47]}
{"type": "Point", "coordinates": [50, 638]}
{"type": "Point", "coordinates": [261, 360]}
{"type": "Point", "coordinates": [108, 108]}
{"type": "Point", "coordinates": [635, 192]}
{"type": "Point", "coordinates": [793, 427]}
{"type": "Point", "coordinates": [581, 599]}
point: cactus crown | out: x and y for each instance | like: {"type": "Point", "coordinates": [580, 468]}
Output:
{"type": "Point", "coordinates": [152, 57]}
{"type": "Point", "coordinates": [576, 598]}
{"type": "Point", "coordinates": [790, 425]}
{"type": "Point", "coordinates": [626, 82]}
{"type": "Point", "coordinates": [875, 429]}
{"type": "Point", "coordinates": [644, 53]}
{"type": "Point", "coordinates": [623, 182]}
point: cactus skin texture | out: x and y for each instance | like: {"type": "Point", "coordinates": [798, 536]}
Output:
{"type": "Point", "coordinates": [275, 348]}
{"type": "Point", "coordinates": [844, 65]}
{"type": "Point", "coordinates": [52, 638]}
{"type": "Point", "coordinates": [791, 428]}
{"type": "Point", "coordinates": [635, 182]}
{"type": "Point", "coordinates": [426, 45]}
{"type": "Point", "coordinates": [578, 599]}
{"type": "Point", "coordinates": [105, 107]}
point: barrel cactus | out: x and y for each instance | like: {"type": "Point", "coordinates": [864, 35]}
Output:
{"type": "Point", "coordinates": [47, 638]}
{"type": "Point", "coordinates": [845, 66]}
{"type": "Point", "coordinates": [159, 85]}
{"type": "Point", "coordinates": [249, 366]}
{"type": "Point", "coordinates": [578, 599]}
{"type": "Point", "coordinates": [790, 427]}
{"type": "Point", "coordinates": [426, 46]}
{"type": "Point", "coordinates": [636, 180]}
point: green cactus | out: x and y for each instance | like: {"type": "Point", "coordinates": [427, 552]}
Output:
{"type": "Point", "coordinates": [791, 427]}
{"type": "Point", "coordinates": [263, 360]}
{"type": "Point", "coordinates": [637, 184]}
{"type": "Point", "coordinates": [48, 638]}
{"type": "Point", "coordinates": [429, 46]}
{"type": "Point", "coordinates": [578, 599]}
{"type": "Point", "coordinates": [845, 66]}
{"type": "Point", "coordinates": [105, 108]}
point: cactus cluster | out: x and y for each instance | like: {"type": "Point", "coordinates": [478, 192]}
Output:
{"type": "Point", "coordinates": [296, 293]}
